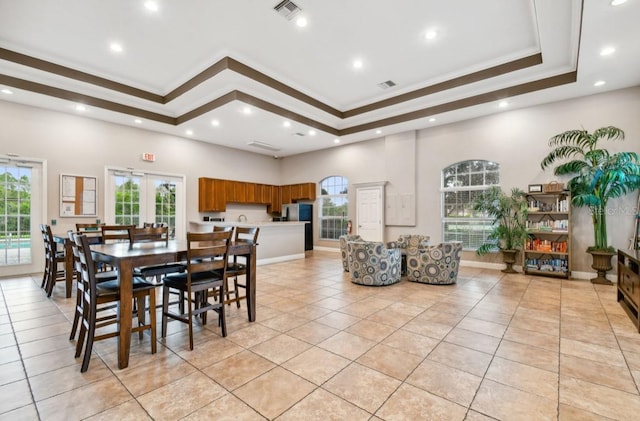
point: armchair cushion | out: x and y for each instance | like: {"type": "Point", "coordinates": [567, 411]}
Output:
{"type": "Point", "coordinates": [343, 248]}
{"type": "Point", "coordinates": [372, 263]}
{"type": "Point", "coordinates": [437, 264]}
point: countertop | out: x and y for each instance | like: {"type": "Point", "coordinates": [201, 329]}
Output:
{"type": "Point", "coordinates": [248, 224]}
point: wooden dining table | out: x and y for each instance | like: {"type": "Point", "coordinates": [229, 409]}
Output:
{"type": "Point", "coordinates": [126, 256]}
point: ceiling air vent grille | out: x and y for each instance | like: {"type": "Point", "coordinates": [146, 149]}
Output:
{"type": "Point", "coordinates": [298, 134]}
{"type": "Point", "coordinates": [263, 145]}
{"type": "Point", "coordinates": [386, 85]}
{"type": "Point", "coordinates": [288, 9]}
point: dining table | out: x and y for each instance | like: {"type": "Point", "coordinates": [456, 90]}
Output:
{"type": "Point", "coordinates": [125, 257]}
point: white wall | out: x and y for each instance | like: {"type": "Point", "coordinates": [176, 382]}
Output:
{"type": "Point", "coordinates": [77, 145]}
{"type": "Point", "coordinates": [517, 139]}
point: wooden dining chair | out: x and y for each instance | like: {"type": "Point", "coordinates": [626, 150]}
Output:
{"type": "Point", "coordinates": [95, 294]}
{"type": "Point", "coordinates": [115, 233]}
{"type": "Point", "coordinates": [53, 257]}
{"type": "Point", "coordinates": [207, 254]}
{"type": "Point", "coordinates": [238, 265]}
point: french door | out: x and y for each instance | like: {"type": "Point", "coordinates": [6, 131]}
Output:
{"type": "Point", "coordinates": [22, 209]}
{"type": "Point", "coordinates": [136, 197]}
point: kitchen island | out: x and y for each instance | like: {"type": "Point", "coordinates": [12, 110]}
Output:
{"type": "Point", "coordinates": [277, 241]}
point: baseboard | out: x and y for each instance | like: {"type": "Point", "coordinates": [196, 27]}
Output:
{"type": "Point", "coordinates": [320, 248]}
{"type": "Point", "coordinates": [279, 259]}
{"type": "Point", "coordinates": [499, 266]}
{"type": "Point", "coordinates": [590, 275]}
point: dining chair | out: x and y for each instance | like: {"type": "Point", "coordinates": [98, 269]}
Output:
{"type": "Point", "coordinates": [115, 233]}
{"type": "Point", "coordinates": [160, 236]}
{"type": "Point", "coordinates": [206, 265]}
{"type": "Point", "coordinates": [100, 277]}
{"type": "Point", "coordinates": [95, 294]}
{"type": "Point", "coordinates": [52, 258]}
{"type": "Point", "coordinates": [238, 267]}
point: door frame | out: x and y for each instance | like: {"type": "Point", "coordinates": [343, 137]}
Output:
{"type": "Point", "coordinates": [380, 187]}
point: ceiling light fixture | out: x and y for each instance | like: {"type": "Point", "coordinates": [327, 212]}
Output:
{"type": "Point", "coordinates": [336, 140]}
{"type": "Point", "coordinates": [246, 110]}
{"type": "Point", "coordinates": [115, 47]}
{"type": "Point", "coordinates": [607, 51]}
{"type": "Point", "coordinates": [286, 124]}
{"type": "Point", "coordinates": [263, 145]}
{"type": "Point", "coordinates": [432, 119]}
{"type": "Point", "coordinates": [215, 123]}
{"type": "Point", "coordinates": [378, 131]}
{"type": "Point", "coordinates": [599, 83]}
{"type": "Point", "coordinates": [357, 64]}
{"type": "Point", "coordinates": [151, 5]}
{"type": "Point", "coordinates": [617, 2]}
{"type": "Point", "coordinates": [301, 22]}
{"type": "Point", "coordinates": [312, 132]}
{"type": "Point", "coordinates": [137, 121]}
{"type": "Point", "coordinates": [6, 91]}
{"type": "Point", "coordinates": [189, 132]}
{"type": "Point", "coordinates": [81, 108]}
{"type": "Point", "coordinates": [503, 104]}
{"type": "Point", "coordinates": [431, 34]}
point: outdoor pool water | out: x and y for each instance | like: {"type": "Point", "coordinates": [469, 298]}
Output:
{"type": "Point", "coordinates": [15, 244]}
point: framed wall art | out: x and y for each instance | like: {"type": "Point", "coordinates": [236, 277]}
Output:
{"type": "Point", "coordinates": [78, 195]}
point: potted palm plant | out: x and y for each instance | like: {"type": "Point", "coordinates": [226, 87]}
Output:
{"type": "Point", "coordinates": [509, 213]}
{"type": "Point", "coordinates": [598, 176]}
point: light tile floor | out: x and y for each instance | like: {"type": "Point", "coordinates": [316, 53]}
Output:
{"type": "Point", "coordinates": [493, 346]}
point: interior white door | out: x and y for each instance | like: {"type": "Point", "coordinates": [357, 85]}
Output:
{"type": "Point", "coordinates": [369, 213]}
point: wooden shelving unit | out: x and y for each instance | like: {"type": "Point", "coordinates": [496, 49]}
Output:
{"type": "Point", "coordinates": [548, 249]}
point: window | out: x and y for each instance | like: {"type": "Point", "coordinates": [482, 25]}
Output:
{"type": "Point", "coordinates": [15, 214]}
{"type": "Point", "coordinates": [334, 206]}
{"type": "Point", "coordinates": [461, 184]}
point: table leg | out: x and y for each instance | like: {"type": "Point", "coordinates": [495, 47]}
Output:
{"type": "Point", "coordinates": [125, 312]}
{"type": "Point", "coordinates": [251, 285]}
{"type": "Point", "coordinates": [68, 267]}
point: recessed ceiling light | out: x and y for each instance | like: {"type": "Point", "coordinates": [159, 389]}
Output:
{"type": "Point", "coordinates": [286, 124]}
{"type": "Point", "coordinates": [115, 47]}
{"type": "Point", "coordinates": [432, 119]}
{"type": "Point", "coordinates": [357, 64]}
{"type": "Point", "coordinates": [215, 123]}
{"type": "Point", "coordinates": [312, 132]}
{"type": "Point", "coordinates": [617, 2]}
{"type": "Point", "coordinates": [137, 121]}
{"type": "Point", "coordinates": [503, 104]}
{"type": "Point", "coordinates": [301, 22]}
{"type": "Point", "coordinates": [81, 108]}
{"type": "Point", "coordinates": [336, 140]}
{"type": "Point", "coordinates": [607, 51]}
{"type": "Point", "coordinates": [151, 5]}
{"type": "Point", "coordinates": [246, 110]}
{"type": "Point", "coordinates": [599, 83]}
{"type": "Point", "coordinates": [431, 34]}
{"type": "Point", "coordinates": [6, 91]}
{"type": "Point", "coordinates": [378, 131]}
{"type": "Point", "coordinates": [189, 132]}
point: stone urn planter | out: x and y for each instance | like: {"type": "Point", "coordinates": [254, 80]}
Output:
{"type": "Point", "coordinates": [601, 263]}
{"type": "Point", "coordinates": [509, 258]}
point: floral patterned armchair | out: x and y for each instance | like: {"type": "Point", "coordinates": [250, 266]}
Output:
{"type": "Point", "coordinates": [372, 263]}
{"type": "Point", "coordinates": [343, 248]}
{"type": "Point", "coordinates": [437, 264]}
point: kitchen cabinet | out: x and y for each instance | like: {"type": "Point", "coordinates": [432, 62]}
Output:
{"type": "Point", "coordinates": [276, 200]}
{"type": "Point", "coordinates": [285, 194]}
{"type": "Point", "coordinates": [211, 195]}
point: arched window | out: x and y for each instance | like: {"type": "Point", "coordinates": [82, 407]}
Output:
{"type": "Point", "coordinates": [333, 207]}
{"type": "Point", "coordinates": [461, 184]}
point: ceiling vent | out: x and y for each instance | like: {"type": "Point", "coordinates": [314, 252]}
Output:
{"type": "Point", "coordinates": [288, 9]}
{"type": "Point", "coordinates": [299, 134]}
{"type": "Point", "coordinates": [262, 145]}
{"type": "Point", "coordinates": [386, 85]}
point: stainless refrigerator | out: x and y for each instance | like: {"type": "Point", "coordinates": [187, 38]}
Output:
{"type": "Point", "coordinates": [301, 212]}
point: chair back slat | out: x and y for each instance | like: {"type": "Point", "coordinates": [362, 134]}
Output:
{"type": "Point", "coordinates": [115, 233]}
{"type": "Point", "coordinates": [149, 234]}
{"type": "Point", "coordinates": [207, 251]}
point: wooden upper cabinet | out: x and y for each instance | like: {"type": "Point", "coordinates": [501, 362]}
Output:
{"type": "Point", "coordinates": [236, 191]}
{"type": "Point", "coordinates": [276, 201]}
{"type": "Point", "coordinates": [285, 194]}
{"type": "Point", "coordinates": [251, 193]}
{"type": "Point", "coordinates": [301, 191]}
{"type": "Point", "coordinates": [211, 195]}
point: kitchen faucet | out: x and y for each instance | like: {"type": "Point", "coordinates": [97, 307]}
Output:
{"type": "Point", "coordinates": [242, 218]}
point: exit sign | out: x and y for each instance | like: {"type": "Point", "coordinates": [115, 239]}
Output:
{"type": "Point", "coordinates": [148, 157]}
